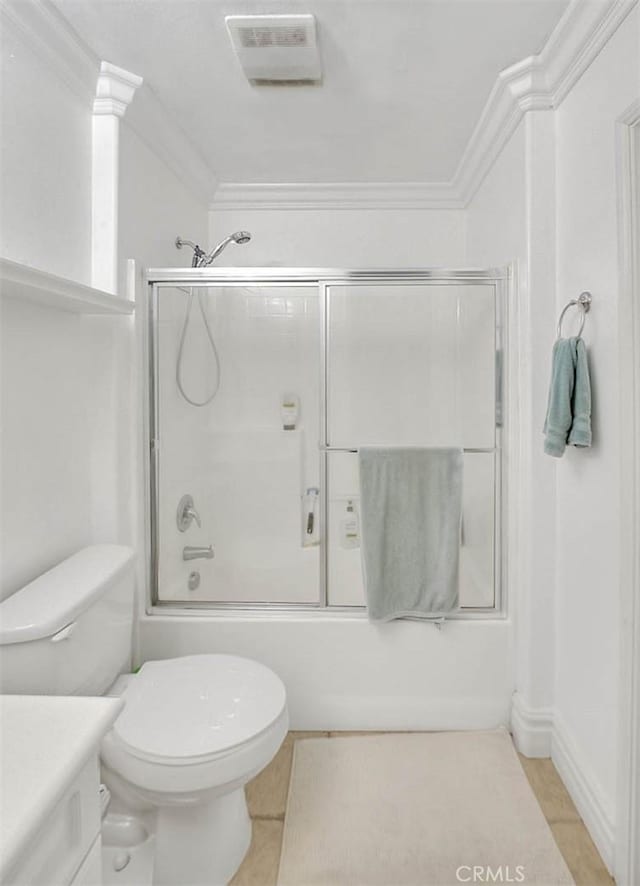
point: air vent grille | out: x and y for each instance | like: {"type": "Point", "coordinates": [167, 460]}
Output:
{"type": "Point", "coordinates": [274, 49]}
{"type": "Point", "coordinates": [259, 38]}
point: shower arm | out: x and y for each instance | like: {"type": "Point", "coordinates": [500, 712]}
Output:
{"type": "Point", "coordinates": [198, 253]}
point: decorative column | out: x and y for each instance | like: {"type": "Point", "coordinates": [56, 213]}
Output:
{"type": "Point", "coordinates": [114, 93]}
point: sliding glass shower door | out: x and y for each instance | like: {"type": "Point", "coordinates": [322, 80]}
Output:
{"type": "Point", "coordinates": [246, 458]}
{"type": "Point", "coordinates": [412, 365]}
{"type": "Point", "coordinates": [255, 495]}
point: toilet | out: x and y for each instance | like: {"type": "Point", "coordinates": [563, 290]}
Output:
{"type": "Point", "coordinates": [193, 730]}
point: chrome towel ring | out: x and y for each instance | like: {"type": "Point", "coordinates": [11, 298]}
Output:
{"type": "Point", "coordinates": [583, 301]}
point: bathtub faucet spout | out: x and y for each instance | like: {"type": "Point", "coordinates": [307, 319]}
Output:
{"type": "Point", "coordinates": [198, 553]}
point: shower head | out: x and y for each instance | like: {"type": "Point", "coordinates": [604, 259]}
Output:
{"type": "Point", "coordinates": [200, 257]}
{"type": "Point", "coordinates": [237, 237]}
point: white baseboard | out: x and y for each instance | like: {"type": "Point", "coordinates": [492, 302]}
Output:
{"type": "Point", "coordinates": [584, 791]}
{"type": "Point", "coordinates": [531, 728]}
{"type": "Point", "coordinates": [540, 732]}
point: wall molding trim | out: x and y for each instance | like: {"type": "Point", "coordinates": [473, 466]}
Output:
{"type": "Point", "coordinates": [531, 728]}
{"type": "Point", "coordinates": [628, 204]}
{"type": "Point", "coordinates": [115, 91]}
{"type": "Point", "coordinates": [335, 195]}
{"type": "Point", "coordinates": [584, 792]}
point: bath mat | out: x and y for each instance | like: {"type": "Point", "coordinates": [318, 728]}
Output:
{"type": "Point", "coordinates": [421, 809]}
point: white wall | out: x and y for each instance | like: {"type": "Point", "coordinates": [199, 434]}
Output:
{"type": "Point", "coordinates": [59, 388]}
{"type": "Point", "coordinates": [496, 217]}
{"type": "Point", "coordinates": [588, 640]}
{"type": "Point", "coordinates": [154, 208]}
{"type": "Point", "coordinates": [56, 368]}
{"type": "Point", "coordinates": [45, 177]}
{"type": "Point", "coordinates": [343, 238]}
{"type": "Point", "coordinates": [67, 381]}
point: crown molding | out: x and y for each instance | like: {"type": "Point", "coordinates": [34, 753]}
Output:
{"type": "Point", "coordinates": [153, 125]}
{"type": "Point", "coordinates": [536, 83]}
{"type": "Point", "coordinates": [41, 27]}
{"type": "Point", "coordinates": [498, 121]}
{"type": "Point", "coordinates": [578, 38]}
{"type": "Point", "coordinates": [336, 195]}
{"type": "Point", "coordinates": [539, 82]}
{"type": "Point", "coordinates": [47, 33]}
{"type": "Point", "coordinates": [115, 90]}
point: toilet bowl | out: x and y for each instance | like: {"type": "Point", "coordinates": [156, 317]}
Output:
{"type": "Point", "coordinates": [193, 730]}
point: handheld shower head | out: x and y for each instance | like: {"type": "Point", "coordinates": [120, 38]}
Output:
{"type": "Point", "coordinates": [200, 257]}
{"type": "Point", "coordinates": [237, 237]}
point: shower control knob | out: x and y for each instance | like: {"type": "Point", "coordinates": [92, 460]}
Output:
{"type": "Point", "coordinates": [187, 513]}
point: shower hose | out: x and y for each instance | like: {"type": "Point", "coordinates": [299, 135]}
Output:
{"type": "Point", "coordinates": [180, 359]}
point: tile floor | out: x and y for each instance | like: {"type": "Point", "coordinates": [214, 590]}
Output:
{"type": "Point", "coordinates": [267, 800]}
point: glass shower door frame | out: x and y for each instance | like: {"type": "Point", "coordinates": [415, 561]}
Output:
{"type": "Point", "coordinates": [499, 286]}
{"type": "Point", "coordinates": [154, 446]}
{"type": "Point", "coordinates": [322, 280]}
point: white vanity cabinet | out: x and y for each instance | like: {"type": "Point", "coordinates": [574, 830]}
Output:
{"type": "Point", "coordinates": [49, 784]}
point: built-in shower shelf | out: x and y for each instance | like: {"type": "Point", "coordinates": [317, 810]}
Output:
{"type": "Point", "coordinates": [29, 284]}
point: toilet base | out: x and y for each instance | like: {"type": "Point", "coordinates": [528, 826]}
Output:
{"type": "Point", "coordinates": [201, 844]}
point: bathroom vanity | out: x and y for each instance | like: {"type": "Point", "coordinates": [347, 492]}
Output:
{"type": "Point", "coordinates": [49, 788]}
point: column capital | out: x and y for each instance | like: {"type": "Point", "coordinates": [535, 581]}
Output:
{"type": "Point", "coordinates": [115, 90]}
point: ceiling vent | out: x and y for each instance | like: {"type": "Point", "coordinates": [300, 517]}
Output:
{"type": "Point", "coordinates": [276, 49]}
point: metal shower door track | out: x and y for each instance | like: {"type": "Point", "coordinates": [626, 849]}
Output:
{"type": "Point", "coordinates": [336, 276]}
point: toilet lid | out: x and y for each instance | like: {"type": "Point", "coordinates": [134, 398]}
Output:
{"type": "Point", "coordinates": [198, 705]}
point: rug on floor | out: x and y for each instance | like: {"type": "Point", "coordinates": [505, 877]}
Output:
{"type": "Point", "coordinates": [421, 809]}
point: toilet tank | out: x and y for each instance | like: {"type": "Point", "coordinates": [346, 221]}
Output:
{"type": "Point", "coordinates": [69, 632]}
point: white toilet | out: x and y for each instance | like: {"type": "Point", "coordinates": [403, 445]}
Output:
{"type": "Point", "coordinates": [192, 732]}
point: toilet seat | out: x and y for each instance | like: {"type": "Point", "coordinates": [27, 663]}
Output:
{"type": "Point", "coordinates": [197, 708]}
{"type": "Point", "coordinates": [192, 733]}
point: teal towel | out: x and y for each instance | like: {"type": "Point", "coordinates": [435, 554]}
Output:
{"type": "Point", "coordinates": [410, 512]}
{"type": "Point", "coordinates": [568, 417]}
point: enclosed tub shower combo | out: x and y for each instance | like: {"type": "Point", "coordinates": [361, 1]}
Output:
{"type": "Point", "coordinates": [255, 496]}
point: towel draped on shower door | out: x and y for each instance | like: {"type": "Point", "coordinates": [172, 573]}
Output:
{"type": "Point", "coordinates": [411, 510]}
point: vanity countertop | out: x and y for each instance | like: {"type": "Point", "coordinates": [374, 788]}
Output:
{"type": "Point", "coordinates": [44, 742]}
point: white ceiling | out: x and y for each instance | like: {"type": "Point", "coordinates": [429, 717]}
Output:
{"type": "Point", "coordinates": [404, 81]}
